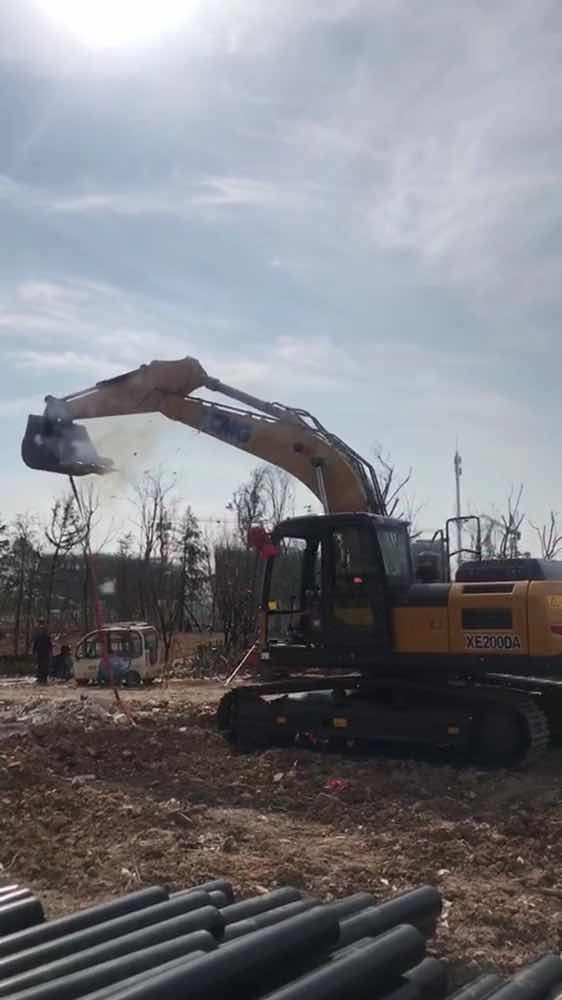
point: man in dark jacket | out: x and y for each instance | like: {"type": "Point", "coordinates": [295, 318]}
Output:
{"type": "Point", "coordinates": [42, 651]}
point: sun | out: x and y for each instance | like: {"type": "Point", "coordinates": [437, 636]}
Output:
{"type": "Point", "coordinates": [111, 23]}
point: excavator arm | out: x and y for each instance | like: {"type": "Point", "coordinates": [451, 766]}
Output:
{"type": "Point", "coordinates": [289, 438]}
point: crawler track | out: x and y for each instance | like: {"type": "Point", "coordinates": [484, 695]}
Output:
{"type": "Point", "coordinates": [487, 724]}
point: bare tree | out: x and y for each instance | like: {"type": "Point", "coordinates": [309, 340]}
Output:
{"type": "Point", "coordinates": [265, 498]}
{"type": "Point", "coordinates": [279, 494]}
{"type": "Point", "coordinates": [5, 565]}
{"type": "Point", "coordinates": [209, 544]}
{"type": "Point", "coordinates": [236, 576]}
{"type": "Point", "coordinates": [172, 558]}
{"type": "Point", "coordinates": [398, 502]}
{"type": "Point", "coordinates": [177, 577]}
{"type": "Point", "coordinates": [550, 536]}
{"type": "Point", "coordinates": [158, 582]}
{"type": "Point", "coordinates": [249, 502]}
{"type": "Point", "coordinates": [64, 533]}
{"type": "Point", "coordinates": [152, 501]}
{"type": "Point", "coordinates": [410, 512]}
{"type": "Point", "coordinates": [127, 577]}
{"type": "Point", "coordinates": [511, 521]}
{"type": "Point", "coordinates": [32, 590]}
{"type": "Point", "coordinates": [491, 538]}
{"type": "Point", "coordinates": [24, 565]}
{"type": "Point", "coordinates": [391, 482]}
{"type": "Point", "coordinates": [90, 507]}
{"type": "Point", "coordinates": [191, 555]}
{"type": "Point", "coordinates": [501, 531]}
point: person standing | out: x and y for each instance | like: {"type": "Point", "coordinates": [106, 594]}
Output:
{"type": "Point", "coordinates": [42, 651]}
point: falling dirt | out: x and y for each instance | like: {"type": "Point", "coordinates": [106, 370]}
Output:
{"type": "Point", "coordinates": [91, 806]}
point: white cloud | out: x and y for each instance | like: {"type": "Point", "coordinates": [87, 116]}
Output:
{"type": "Point", "coordinates": [437, 141]}
{"type": "Point", "coordinates": [353, 179]}
{"type": "Point", "coordinates": [190, 197]}
{"type": "Point", "coordinates": [445, 142]}
{"type": "Point", "coordinates": [27, 322]}
{"type": "Point", "coordinates": [56, 309]}
{"type": "Point", "coordinates": [8, 188]}
{"type": "Point", "coordinates": [460, 182]}
{"type": "Point", "coordinates": [20, 405]}
{"type": "Point", "coordinates": [66, 361]}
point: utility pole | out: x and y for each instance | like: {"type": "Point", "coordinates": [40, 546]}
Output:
{"type": "Point", "coordinates": [458, 474]}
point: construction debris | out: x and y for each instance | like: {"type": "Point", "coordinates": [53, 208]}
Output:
{"type": "Point", "coordinates": [85, 711]}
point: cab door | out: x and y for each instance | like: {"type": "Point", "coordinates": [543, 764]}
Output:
{"type": "Point", "coordinates": [356, 609]}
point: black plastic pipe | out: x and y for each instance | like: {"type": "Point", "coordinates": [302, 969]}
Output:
{"type": "Point", "coordinates": [214, 885]}
{"type": "Point", "coordinates": [116, 947]}
{"type": "Point", "coordinates": [430, 977]}
{"type": "Point", "coordinates": [259, 904]}
{"type": "Point", "coordinates": [426, 981]}
{"type": "Point", "coordinates": [81, 983]}
{"type": "Point", "coordinates": [14, 897]}
{"type": "Point", "coordinates": [9, 888]}
{"type": "Point", "coordinates": [534, 981]}
{"type": "Point", "coordinates": [19, 916]}
{"type": "Point", "coordinates": [479, 988]}
{"type": "Point", "coordinates": [242, 967]}
{"type": "Point", "coordinates": [115, 990]}
{"type": "Point", "coordinates": [203, 918]}
{"type": "Point", "coordinates": [362, 972]}
{"type": "Point", "coordinates": [93, 915]}
{"type": "Point", "coordinates": [420, 908]}
{"type": "Point", "coordinates": [268, 919]}
{"type": "Point", "coordinates": [353, 946]}
{"type": "Point", "coordinates": [218, 898]}
{"type": "Point", "coordinates": [351, 904]}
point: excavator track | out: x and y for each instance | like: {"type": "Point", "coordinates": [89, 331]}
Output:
{"type": "Point", "coordinates": [527, 716]}
{"type": "Point", "coordinates": [539, 732]}
{"type": "Point", "coordinates": [488, 725]}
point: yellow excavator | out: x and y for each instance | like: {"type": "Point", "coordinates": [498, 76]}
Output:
{"type": "Point", "coordinates": [357, 644]}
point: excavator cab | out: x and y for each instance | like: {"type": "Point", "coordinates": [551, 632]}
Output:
{"type": "Point", "coordinates": [328, 591]}
{"type": "Point", "coordinates": [54, 444]}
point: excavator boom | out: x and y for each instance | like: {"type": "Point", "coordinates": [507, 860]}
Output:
{"type": "Point", "coordinates": [287, 437]}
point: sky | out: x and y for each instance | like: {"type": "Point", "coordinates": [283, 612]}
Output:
{"type": "Point", "coordinates": [352, 206]}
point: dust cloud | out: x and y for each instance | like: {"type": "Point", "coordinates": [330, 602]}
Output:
{"type": "Point", "coordinates": [132, 443]}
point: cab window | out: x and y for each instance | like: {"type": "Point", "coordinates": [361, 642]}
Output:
{"type": "Point", "coordinates": [352, 556]}
{"type": "Point", "coordinates": [296, 571]}
{"type": "Point", "coordinates": [352, 569]}
{"type": "Point", "coordinates": [395, 550]}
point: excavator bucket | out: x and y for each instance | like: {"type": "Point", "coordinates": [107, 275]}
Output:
{"type": "Point", "coordinates": [61, 446]}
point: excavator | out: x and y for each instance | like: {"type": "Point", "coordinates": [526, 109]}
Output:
{"type": "Point", "coordinates": [358, 644]}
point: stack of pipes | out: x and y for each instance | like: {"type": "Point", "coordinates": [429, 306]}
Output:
{"type": "Point", "coordinates": [201, 943]}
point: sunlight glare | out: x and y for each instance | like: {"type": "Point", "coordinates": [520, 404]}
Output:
{"type": "Point", "coordinates": [110, 23]}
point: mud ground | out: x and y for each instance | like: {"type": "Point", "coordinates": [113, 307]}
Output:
{"type": "Point", "coordinates": [98, 798]}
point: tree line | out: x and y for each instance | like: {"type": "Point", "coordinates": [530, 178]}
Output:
{"type": "Point", "coordinates": [165, 567]}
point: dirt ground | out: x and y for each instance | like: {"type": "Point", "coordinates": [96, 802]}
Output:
{"type": "Point", "coordinates": [98, 798]}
